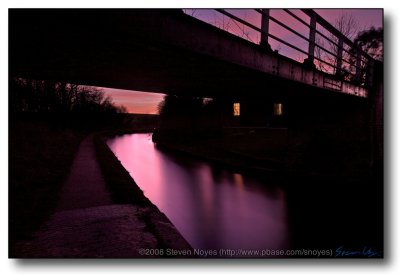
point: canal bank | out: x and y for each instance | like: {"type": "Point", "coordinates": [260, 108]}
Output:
{"type": "Point", "coordinates": [124, 190]}
{"type": "Point", "coordinates": [215, 151]}
{"type": "Point", "coordinates": [90, 221]}
{"type": "Point", "coordinates": [280, 153]}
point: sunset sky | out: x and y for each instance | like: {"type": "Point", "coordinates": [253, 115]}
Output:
{"type": "Point", "coordinates": [134, 101]}
{"type": "Point", "coordinates": [146, 103]}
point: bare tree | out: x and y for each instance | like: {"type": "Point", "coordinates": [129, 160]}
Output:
{"type": "Point", "coordinates": [39, 96]}
{"type": "Point", "coordinates": [222, 23]}
{"type": "Point", "coordinates": [348, 25]}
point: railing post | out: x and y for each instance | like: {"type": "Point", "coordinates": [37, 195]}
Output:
{"type": "Point", "coordinates": [265, 29]}
{"type": "Point", "coordinates": [311, 45]}
{"type": "Point", "coordinates": [339, 56]}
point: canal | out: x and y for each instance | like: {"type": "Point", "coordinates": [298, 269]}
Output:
{"type": "Point", "coordinates": [216, 208]}
{"type": "Point", "coordinates": [212, 208]}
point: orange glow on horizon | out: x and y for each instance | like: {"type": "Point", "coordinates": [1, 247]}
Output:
{"type": "Point", "coordinates": [136, 102]}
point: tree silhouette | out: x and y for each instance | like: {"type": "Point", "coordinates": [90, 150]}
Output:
{"type": "Point", "coordinates": [188, 117]}
{"type": "Point", "coordinates": [39, 96]}
{"type": "Point", "coordinates": [371, 41]}
{"type": "Point", "coordinates": [180, 105]}
{"type": "Point", "coordinates": [348, 25]}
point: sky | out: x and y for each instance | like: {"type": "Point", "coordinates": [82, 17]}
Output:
{"type": "Point", "coordinates": [146, 103]}
{"type": "Point", "coordinates": [135, 101]}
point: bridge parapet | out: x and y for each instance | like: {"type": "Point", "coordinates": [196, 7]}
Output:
{"type": "Point", "coordinates": [338, 56]}
{"type": "Point", "coordinates": [166, 51]}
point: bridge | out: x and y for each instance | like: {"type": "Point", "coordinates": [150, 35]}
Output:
{"type": "Point", "coordinates": [168, 51]}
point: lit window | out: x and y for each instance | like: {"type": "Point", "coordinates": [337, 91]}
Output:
{"type": "Point", "coordinates": [278, 109]}
{"type": "Point", "coordinates": [236, 109]}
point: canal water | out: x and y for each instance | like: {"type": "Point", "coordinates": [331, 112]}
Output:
{"type": "Point", "coordinates": [212, 208]}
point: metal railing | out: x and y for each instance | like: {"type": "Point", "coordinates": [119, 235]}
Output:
{"type": "Point", "coordinates": [339, 57]}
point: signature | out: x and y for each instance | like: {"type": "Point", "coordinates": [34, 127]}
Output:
{"type": "Point", "coordinates": [365, 252]}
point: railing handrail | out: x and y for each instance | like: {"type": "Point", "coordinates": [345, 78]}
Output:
{"type": "Point", "coordinates": [329, 27]}
{"type": "Point", "coordinates": [352, 50]}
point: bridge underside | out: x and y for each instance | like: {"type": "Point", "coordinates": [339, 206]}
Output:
{"type": "Point", "coordinates": [137, 50]}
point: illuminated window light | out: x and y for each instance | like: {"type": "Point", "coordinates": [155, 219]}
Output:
{"type": "Point", "coordinates": [236, 109]}
{"type": "Point", "coordinates": [278, 111]}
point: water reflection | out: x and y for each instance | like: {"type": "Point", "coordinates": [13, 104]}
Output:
{"type": "Point", "coordinates": [212, 208]}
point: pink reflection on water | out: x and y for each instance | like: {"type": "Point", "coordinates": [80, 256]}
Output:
{"type": "Point", "coordinates": [212, 208]}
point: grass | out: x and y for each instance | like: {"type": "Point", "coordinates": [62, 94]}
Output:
{"type": "Point", "coordinates": [41, 151]}
{"type": "Point", "coordinates": [40, 156]}
{"type": "Point", "coordinates": [119, 182]}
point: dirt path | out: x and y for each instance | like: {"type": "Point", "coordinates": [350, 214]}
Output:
{"type": "Point", "coordinates": [85, 186]}
{"type": "Point", "coordinates": [87, 223]}
{"type": "Point", "coordinates": [112, 231]}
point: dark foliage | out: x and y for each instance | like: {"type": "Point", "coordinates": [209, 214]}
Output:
{"type": "Point", "coordinates": [180, 105]}
{"type": "Point", "coordinates": [39, 96]}
{"type": "Point", "coordinates": [188, 117]}
{"type": "Point", "coordinates": [39, 160]}
{"type": "Point", "coordinates": [47, 122]}
{"type": "Point", "coordinates": [371, 41]}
